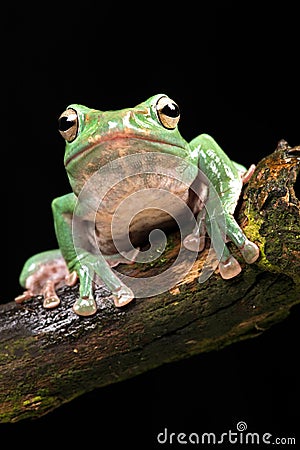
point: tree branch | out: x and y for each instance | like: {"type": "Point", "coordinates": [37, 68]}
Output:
{"type": "Point", "coordinates": [49, 357]}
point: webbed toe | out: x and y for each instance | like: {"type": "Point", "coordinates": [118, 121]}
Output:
{"type": "Point", "coordinates": [25, 296]}
{"type": "Point", "coordinates": [250, 251]}
{"type": "Point", "coordinates": [51, 302]}
{"type": "Point", "coordinates": [194, 242]}
{"type": "Point", "coordinates": [85, 306]}
{"type": "Point", "coordinates": [229, 268]}
{"type": "Point", "coordinates": [123, 296]}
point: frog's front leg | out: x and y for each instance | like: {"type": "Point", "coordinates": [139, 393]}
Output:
{"type": "Point", "coordinates": [225, 184]}
{"type": "Point", "coordinates": [86, 265]}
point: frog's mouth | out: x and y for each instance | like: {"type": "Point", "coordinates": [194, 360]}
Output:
{"type": "Point", "coordinates": [123, 142]}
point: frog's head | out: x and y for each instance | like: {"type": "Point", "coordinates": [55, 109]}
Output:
{"type": "Point", "coordinates": [94, 138]}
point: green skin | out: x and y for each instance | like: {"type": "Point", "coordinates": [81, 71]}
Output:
{"type": "Point", "coordinates": [93, 139]}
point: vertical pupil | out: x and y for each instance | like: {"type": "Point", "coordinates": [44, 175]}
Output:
{"type": "Point", "coordinates": [64, 123]}
{"type": "Point", "coordinates": [171, 110]}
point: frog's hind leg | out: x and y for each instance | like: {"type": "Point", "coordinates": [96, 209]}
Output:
{"type": "Point", "coordinates": [41, 274]}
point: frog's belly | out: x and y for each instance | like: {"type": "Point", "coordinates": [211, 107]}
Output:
{"type": "Point", "coordinates": [131, 210]}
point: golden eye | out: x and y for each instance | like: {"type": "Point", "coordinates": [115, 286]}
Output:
{"type": "Point", "coordinates": [68, 124]}
{"type": "Point", "coordinates": [167, 112]}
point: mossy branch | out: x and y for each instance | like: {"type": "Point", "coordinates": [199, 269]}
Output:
{"type": "Point", "coordinates": [49, 357]}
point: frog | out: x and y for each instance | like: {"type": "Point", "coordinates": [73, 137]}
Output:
{"type": "Point", "coordinates": [94, 140]}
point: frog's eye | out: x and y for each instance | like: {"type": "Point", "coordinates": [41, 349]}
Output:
{"type": "Point", "coordinates": [68, 124]}
{"type": "Point", "coordinates": [167, 112]}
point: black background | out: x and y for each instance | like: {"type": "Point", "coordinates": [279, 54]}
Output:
{"type": "Point", "coordinates": [233, 70]}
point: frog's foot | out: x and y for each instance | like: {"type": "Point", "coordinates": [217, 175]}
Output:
{"type": "Point", "coordinates": [85, 306]}
{"type": "Point", "coordinates": [71, 278]}
{"type": "Point", "coordinates": [194, 242]}
{"type": "Point", "coordinates": [41, 274]}
{"type": "Point", "coordinates": [123, 296]}
{"type": "Point", "coordinates": [229, 268]}
{"type": "Point", "coordinates": [90, 268]}
{"type": "Point", "coordinates": [250, 251]}
{"type": "Point", "coordinates": [43, 282]}
{"type": "Point", "coordinates": [25, 296]}
{"type": "Point", "coordinates": [51, 300]}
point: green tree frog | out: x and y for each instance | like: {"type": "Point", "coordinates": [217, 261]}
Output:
{"type": "Point", "coordinates": [95, 140]}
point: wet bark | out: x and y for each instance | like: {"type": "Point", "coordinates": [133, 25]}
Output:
{"type": "Point", "coordinates": [49, 357]}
